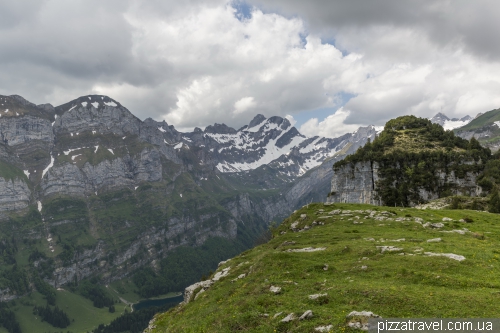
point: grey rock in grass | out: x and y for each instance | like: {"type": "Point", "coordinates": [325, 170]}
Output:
{"type": "Point", "coordinates": [288, 318]}
{"type": "Point", "coordinates": [275, 289]}
{"type": "Point", "coordinates": [434, 240]}
{"type": "Point", "coordinates": [447, 255]}
{"type": "Point", "coordinates": [316, 296]}
{"type": "Point", "coordinates": [307, 249]}
{"type": "Point", "coordinates": [223, 262]}
{"type": "Point", "coordinates": [221, 274]}
{"type": "Point", "coordinates": [306, 315]}
{"type": "Point", "coordinates": [360, 319]}
{"type": "Point", "coordinates": [389, 249]}
{"type": "Point", "coordinates": [326, 328]}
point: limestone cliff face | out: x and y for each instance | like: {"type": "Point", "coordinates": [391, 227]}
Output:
{"type": "Point", "coordinates": [355, 183]}
{"type": "Point", "coordinates": [96, 260]}
{"type": "Point", "coordinates": [18, 130]}
{"type": "Point", "coordinates": [14, 194]}
{"type": "Point", "coordinates": [359, 182]}
{"type": "Point", "coordinates": [67, 178]}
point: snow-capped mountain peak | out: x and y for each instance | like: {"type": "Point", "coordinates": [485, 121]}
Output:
{"type": "Point", "coordinates": [450, 124]}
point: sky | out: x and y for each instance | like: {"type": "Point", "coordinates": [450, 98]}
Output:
{"type": "Point", "coordinates": [328, 65]}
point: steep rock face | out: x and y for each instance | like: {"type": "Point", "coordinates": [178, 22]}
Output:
{"type": "Point", "coordinates": [14, 194]}
{"type": "Point", "coordinates": [65, 179]}
{"type": "Point", "coordinates": [358, 183]}
{"type": "Point", "coordinates": [96, 261]}
{"type": "Point", "coordinates": [355, 183]}
{"type": "Point", "coordinates": [18, 130]}
{"type": "Point", "coordinates": [68, 179]}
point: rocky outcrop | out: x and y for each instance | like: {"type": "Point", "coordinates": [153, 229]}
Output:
{"type": "Point", "coordinates": [358, 183]}
{"type": "Point", "coordinates": [355, 183]}
{"type": "Point", "coordinates": [14, 194]}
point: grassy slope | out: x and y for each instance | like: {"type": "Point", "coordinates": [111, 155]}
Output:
{"type": "Point", "coordinates": [487, 118]}
{"type": "Point", "coordinates": [393, 285]}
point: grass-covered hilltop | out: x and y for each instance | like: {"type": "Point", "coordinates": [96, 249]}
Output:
{"type": "Point", "coordinates": [339, 260]}
{"type": "Point", "coordinates": [413, 161]}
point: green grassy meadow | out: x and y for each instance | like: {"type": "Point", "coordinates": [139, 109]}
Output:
{"type": "Point", "coordinates": [359, 277]}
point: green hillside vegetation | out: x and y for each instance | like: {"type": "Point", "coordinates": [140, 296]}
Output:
{"type": "Point", "coordinates": [352, 272]}
{"type": "Point", "coordinates": [484, 123]}
{"type": "Point", "coordinates": [411, 152]}
{"type": "Point", "coordinates": [488, 118]}
{"type": "Point", "coordinates": [10, 172]}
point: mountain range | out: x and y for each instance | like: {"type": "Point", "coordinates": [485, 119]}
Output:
{"type": "Point", "coordinates": [89, 191]}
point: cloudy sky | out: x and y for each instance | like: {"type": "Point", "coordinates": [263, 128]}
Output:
{"type": "Point", "coordinates": [332, 65]}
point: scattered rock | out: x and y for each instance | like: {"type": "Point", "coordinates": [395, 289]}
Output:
{"type": "Point", "coordinates": [307, 249]}
{"type": "Point", "coordinates": [303, 216]}
{"type": "Point", "coordinates": [326, 328]}
{"type": "Point", "coordinates": [294, 225]}
{"type": "Point", "coordinates": [221, 274]}
{"type": "Point", "coordinates": [243, 263]}
{"type": "Point", "coordinates": [364, 267]}
{"type": "Point", "coordinates": [434, 240]}
{"type": "Point", "coordinates": [445, 219]}
{"type": "Point", "coordinates": [388, 248]}
{"type": "Point", "coordinates": [188, 292]}
{"type": "Point", "coordinates": [287, 243]}
{"type": "Point", "coordinates": [241, 276]}
{"type": "Point", "coordinates": [265, 315]}
{"type": "Point", "coordinates": [275, 289]}
{"type": "Point", "coordinates": [461, 232]}
{"type": "Point", "coordinates": [316, 296]}
{"type": "Point", "coordinates": [308, 314]}
{"type": "Point", "coordinates": [448, 255]}
{"type": "Point", "coordinates": [334, 212]}
{"type": "Point", "coordinates": [288, 318]}
{"type": "Point", "coordinates": [325, 267]}
{"type": "Point", "coordinates": [223, 262]}
{"type": "Point", "coordinates": [360, 319]}
{"type": "Point", "coordinates": [433, 225]}
{"type": "Point", "coordinates": [370, 239]}
{"type": "Point", "coordinates": [276, 315]}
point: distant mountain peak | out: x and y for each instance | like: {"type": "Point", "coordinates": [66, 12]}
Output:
{"type": "Point", "coordinates": [258, 119]}
{"type": "Point", "coordinates": [450, 124]}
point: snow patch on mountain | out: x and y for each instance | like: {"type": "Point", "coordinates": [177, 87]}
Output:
{"type": "Point", "coordinates": [450, 124]}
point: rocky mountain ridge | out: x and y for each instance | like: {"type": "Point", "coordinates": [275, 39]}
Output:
{"type": "Point", "coordinates": [97, 191]}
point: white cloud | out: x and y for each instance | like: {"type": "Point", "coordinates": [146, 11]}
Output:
{"type": "Point", "coordinates": [291, 119]}
{"type": "Point", "coordinates": [332, 126]}
{"type": "Point", "coordinates": [194, 63]}
{"type": "Point", "coordinates": [244, 104]}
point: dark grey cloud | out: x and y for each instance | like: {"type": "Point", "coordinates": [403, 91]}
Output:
{"type": "Point", "coordinates": [474, 23]}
